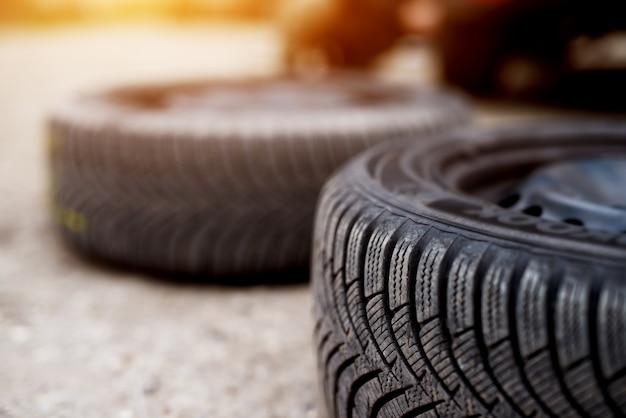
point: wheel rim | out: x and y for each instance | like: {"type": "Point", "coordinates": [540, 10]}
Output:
{"type": "Point", "coordinates": [588, 192]}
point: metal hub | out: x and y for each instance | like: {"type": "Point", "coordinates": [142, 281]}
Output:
{"type": "Point", "coordinates": [590, 192]}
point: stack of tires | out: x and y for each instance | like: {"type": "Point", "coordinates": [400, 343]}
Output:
{"type": "Point", "coordinates": [456, 273]}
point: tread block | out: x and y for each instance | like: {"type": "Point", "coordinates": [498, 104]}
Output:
{"type": "Point", "coordinates": [506, 369]}
{"type": "Point", "coordinates": [377, 258]}
{"type": "Point", "coordinates": [403, 263]}
{"type": "Point", "coordinates": [543, 379]}
{"type": "Point", "coordinates": [427, 277]}
{"type": "Point", "coordinates": [571, 313]}
{"type": "Point", "coordinates": [583, 386]}
{"type": "Point", "coordinates": [460, 286]}
{"type": "Point", "coordinates": [531, 308]}
{"type": "Point", "coordinates": [617, 389]}
{"type": "Point", "coordinates": [612, 330]}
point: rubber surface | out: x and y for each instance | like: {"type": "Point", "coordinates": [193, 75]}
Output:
{"type": "Point", "coordinates": [431, 301]}
{"type": "Point", "coordinates": [219, 177]}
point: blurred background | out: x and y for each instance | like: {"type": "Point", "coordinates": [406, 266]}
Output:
{"type": "Point", "coordinates": [78, 340]}
{"type": "Point", "coordinates": [55, 11]}
{"type": "Point", "coordinates": [506, 48]}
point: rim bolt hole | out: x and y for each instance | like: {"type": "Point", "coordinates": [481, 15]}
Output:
{"type": "Point", "coordinates": [574, 221]}
{"type": "Point", "coordinates": [509, 201]}
{"type": "Point", "coordinates": [533, 210]}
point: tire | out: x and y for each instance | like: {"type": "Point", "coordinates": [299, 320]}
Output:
{"type": "Point", "coordinates": [219, 177]}
{"type": "Point", "coordinates": [431, 301]}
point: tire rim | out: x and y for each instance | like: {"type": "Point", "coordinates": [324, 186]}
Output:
{"type": "Point", "coordinates": [587, 192]}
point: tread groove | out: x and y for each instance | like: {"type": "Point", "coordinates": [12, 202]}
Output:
{"type": "Point", "coordinates": [340, 369]}
{"type": "Point", "coordinates": [380, 402]}
{"type": "Point", "coordinates": [356, 385]}
{"type": "Point", "coordinates": [420, 410]}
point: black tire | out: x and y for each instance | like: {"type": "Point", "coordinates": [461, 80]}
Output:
{"type": "Point", "coordinates": [431, 301]}
{"type": "Point", "coordinates": [217, 177]}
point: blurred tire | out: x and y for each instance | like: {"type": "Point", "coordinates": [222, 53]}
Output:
{"type": "Point", "coordinates": [219, 177]}
{"type": "Point", "coordinates": [431, 301]}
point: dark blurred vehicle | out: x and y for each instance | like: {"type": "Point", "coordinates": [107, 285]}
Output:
{"type": "Point", "coordinates": [509, 47]}
{"type": "Point", "coordinates": [338, 33]}
{"type": "Point", "coordinates": [527, 47]}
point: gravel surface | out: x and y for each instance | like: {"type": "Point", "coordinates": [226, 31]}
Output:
{"type": "Point", "coordinates": [82, 340]}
